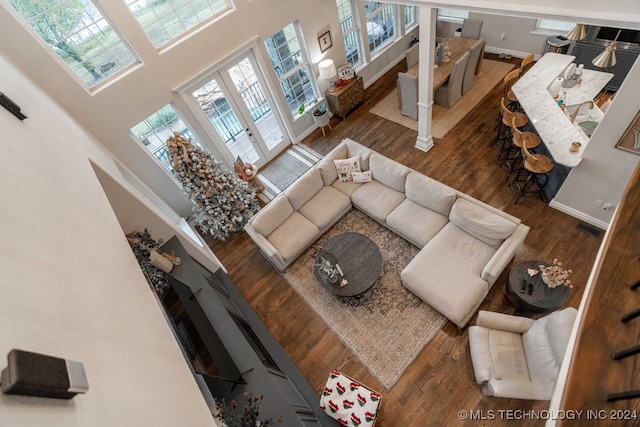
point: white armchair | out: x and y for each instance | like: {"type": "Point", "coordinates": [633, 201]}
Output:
{"type": "Point", "coordinates": [518, 357]}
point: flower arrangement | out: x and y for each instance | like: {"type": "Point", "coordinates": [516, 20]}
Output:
{"type": "Point", "coordinates": [247, 416]}
{"type": "Point", "coordinates": [555, 274]}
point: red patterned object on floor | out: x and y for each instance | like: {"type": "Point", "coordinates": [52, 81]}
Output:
{"type": "Point", "coordinates": [349, 402]}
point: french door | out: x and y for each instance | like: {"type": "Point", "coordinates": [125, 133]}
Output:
{"type": "Point", "coordinates": [240, 109]}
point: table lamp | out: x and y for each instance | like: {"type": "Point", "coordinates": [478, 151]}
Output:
{"type": "Point", "coordinates": [328, 71]}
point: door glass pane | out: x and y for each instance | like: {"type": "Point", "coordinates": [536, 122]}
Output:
{"type": "Point", "coordinates": [246, 82]}
{"type": "Point", "coordinates": [224, 120]}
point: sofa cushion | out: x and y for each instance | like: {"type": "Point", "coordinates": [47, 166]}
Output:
{"type": "Point", "coordinates": [545, 344]}
{"type": "Point", "coordinates": [344, 167]}
{"type": "Point", "coordinates": [446, 273]}
{"type": "Point", "coordinates": [303, 189]}
{"type": "Point", "coordinates": [430, 193]}
{"type": "Point", "coordinates": [388, 172]}
{"type": "Point", "coordinates": [361, 177]}
{"type": "Point", "coordinates": [327, 167]}
{"type": "Point", "coordinates": [508, 356]}
{"type": "Point", "coordinates": [293, 236]}
{"type": "Point", "coordinates": [481, 223]}
{"type": "Point", "coordinates": [416, 223]}
{"type": "Point", "coordinates": [271, 216]}
{"type": "Point", "coordinates": [346, 188]}
{"type": "Point", "coordinates": [376, 200]}
{"type": "Point", "coordinates": [357, 149]}
{"type": "Point", "coordinates": [326, 207]}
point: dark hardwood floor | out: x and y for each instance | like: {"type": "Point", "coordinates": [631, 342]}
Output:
{"type": "Point", "coordinates": [440, 382]}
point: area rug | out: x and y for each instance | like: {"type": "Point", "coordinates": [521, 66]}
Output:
{"type": "Point", "coordinates": [387, 326]}
{"type": "Point", "coordinates": [444, 119]}
{"type": "Point", "coordinates": [283, 171]}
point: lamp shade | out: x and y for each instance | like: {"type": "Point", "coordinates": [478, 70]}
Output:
{"type": "Point", "coordinates": [577, 33]}
{"type": "Point", "coordinates": [327, 69]}
{"type": "Point", "coordinates": [607, 58]}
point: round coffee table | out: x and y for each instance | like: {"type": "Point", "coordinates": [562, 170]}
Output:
{"type": "Point", "coordinates": [529, 294]}
{"type": "Point", "coordinates": [359, 259]}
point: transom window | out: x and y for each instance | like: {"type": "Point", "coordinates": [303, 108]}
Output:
{"type": "Point", "coordinates": [548, 24]}
{"type": "Point", "coordinates": [166, 20]}
{"type": "Point", "coordinates": [380, 24]}
{"type": "Point", "coordinates": [154, 131]}
{"type": "Point", "coordinates": [78, 33]}
{"type": "Point", "coordinates": [349, 28]}
{"type": "Point", "coordinates": [457, 14]}
{"type": "Point", "coordinates": [290, 62]}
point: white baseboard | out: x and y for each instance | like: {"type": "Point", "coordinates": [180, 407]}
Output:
{"type": "Point", "coordinates": [579, 215]}
{"type": "Point", "coordinates": [382, 72]}
{"type": "Point", "coordinates": [515, 53]}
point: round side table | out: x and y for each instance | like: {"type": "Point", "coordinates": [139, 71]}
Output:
{"type": "Point", "coordinates": [529, 294]}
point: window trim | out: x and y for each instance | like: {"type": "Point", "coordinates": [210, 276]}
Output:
{"type": "Point", "coordinates": [373, 54]}
{"type": "Point", "coordinates": [105, 82]}
{"type": "Point", "coordinates": [302, 41]}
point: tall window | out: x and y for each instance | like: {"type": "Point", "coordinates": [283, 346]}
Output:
{"type": "Point", "coordinates": [292, 66]}
{"type": "Point", "coordinates": [349, 28]}
{"type": "Point", "coordinates": [410, 17]}
{"type": "Point", "coordinates": [166, 20]}
{"type": "Point", "coordinates": [380, 24]}
{"type": "Point", "coordinates": [79, 34]}
{"type": "Point", "coordinates": [154, 131]}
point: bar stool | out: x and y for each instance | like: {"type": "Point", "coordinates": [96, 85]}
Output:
{"type": "Point", "coordinates": [514, 152]}
{"type": "Point", "coordinates": [536, 167]}
{"type": "Point", "coordinates": [509, 80]}
{"type": "Point", "coordinates": [512, 100]}
{"type": "Point", "coordinates": [504, 126]}
{"type": "Point", "coordinates": [525, 63]}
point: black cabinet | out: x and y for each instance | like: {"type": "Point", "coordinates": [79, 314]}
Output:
{"type": "Point", "coordinates": [628, 48]}
{"type": "Point", "coordinates": [230, 349]}
{"type": "Point", "coordinates": [625, 59]}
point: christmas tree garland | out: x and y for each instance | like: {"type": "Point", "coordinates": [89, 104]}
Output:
{"type": "Point", "coordinates": [222, 202]}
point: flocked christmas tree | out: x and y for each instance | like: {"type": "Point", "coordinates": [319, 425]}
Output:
{"type": "Point", "coordinates": [222, 202]}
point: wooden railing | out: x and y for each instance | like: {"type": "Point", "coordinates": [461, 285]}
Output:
{"type": "Point", "coordinates": [604, 373]}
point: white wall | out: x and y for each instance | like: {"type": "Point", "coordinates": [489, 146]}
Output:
{"type": "Point", "coordinates": [70, 285]}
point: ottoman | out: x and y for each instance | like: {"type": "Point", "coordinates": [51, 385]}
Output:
{"type": "Point", "coordinates": [349, 402]}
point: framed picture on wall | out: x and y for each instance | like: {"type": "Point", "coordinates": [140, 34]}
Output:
{"type": "Point", "coordinates": [325, 41]}
{"type": "Point", "coordinates": [630, 140]}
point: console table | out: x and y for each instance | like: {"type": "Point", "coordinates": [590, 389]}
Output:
{"type": "Point", "coordinates": [345, 98]}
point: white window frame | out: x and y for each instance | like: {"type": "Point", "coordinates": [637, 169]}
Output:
{"type": "Point", "coordinates": [456, 16]}
{"type": "Point", "coordinates": [554, 26]}
{"type": "Point", "coordinates": [416, 18]}
{"type": "Point", "coordinates": [166, 163]}
{"type": "Point", "coordinates": [353, 32]}
{"type": "Point", "coordinates": [305, 63]}
{"type": "Point", "coordinates": [106, 80]}
{"type": "Point", "coordinates": [369, 16]}
{"type": "Point", "coordinates": [188, 30]}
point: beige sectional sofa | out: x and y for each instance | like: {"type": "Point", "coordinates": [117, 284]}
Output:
{"type": "Point", "coordinates": [465, 244]}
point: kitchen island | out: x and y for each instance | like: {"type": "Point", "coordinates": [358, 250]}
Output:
{"type": "Point", "coordinates": [551, 122]}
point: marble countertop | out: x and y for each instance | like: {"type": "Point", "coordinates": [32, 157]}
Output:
{"type": "Point", "coordinates": [550, 121]}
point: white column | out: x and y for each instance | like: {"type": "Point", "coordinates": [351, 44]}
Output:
{"type": "Point", "coordinates": [427, 50]}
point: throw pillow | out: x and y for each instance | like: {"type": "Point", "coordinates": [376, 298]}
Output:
{"type": "Point", "coordinates": [360, 177]}
{"type": "Point", "coordinates": [349, 402]}
{"type": "Point", "coordinates": [345, 167]}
